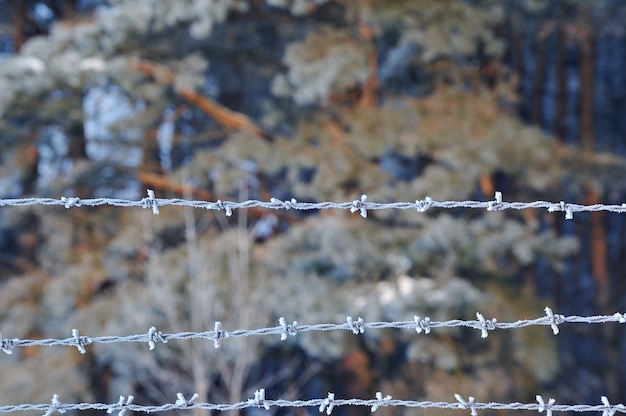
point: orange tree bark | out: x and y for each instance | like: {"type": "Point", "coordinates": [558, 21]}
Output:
{"type": "Point", "coordinates": [20, 21]}
{"type": "Point", "coordinates": [599, 250]}
{"type": "Point", "coordinates": [561, 81]}
{"type": "Point", "coordinates": [225, 116]}
{"type": "Point", "coordinates": [587, 67]}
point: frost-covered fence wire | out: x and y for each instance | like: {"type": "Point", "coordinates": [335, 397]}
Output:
{"type": "Point", "coordinates": [284, 330]}
{"type": "Point", "coordinates": [324, 405]}
{"type": "Point", "coordinates": [152, 337]}
{"type": "Point", "coordinates": [361, 205]}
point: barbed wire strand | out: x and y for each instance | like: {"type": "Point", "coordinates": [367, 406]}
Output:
{"type": "Point", "coordinates": [420, 325]}
{"type": "Point", "coordinates": [325, 405]}
{"type": "Point", "coordinates": [284, 330]}
{"type": "Point", "coordinates": [361, 205]}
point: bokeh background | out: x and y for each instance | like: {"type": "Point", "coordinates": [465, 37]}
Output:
{"type": "Point", "coordinates": [315, 100]}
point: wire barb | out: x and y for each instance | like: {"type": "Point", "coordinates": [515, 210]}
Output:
{"type": "Point", "coordinates": [381, 401]}
{"type": "Point", "coordinates": [359, 205]}
{"type": "Point", "coordinates": [182, 402]}
{"type": "Point", "coordinates": [80, 341]}
{"type": "Point", "coordinates": [259, 399]}
{"type": "Point", "coordinates": [357, 327]}
{"type": "Point", "coordinates": [466, 404]}
{"type": "Point", "coordinates": [278, 204]}
{"type": "Point", "coordinates": [151, 202]}
{"type": "Point", "coordinates": [7, 344]}
{"type": "Point", "coordinates": [497, 204]}
{"type": "Point", "coordinates": [422, 206]}
{"type": "Point", "coordinates": [219, 334]}
{"type": "Point", "coordinates": [329, 403]}
{"type": "Point", "coordinates": [55, 404]}
{"type": "Point", "coordinates": [121, 405]}
{"type": "Point", "coordinates": [155, 336]}
{"type": "Point", "coordinates": [70, 202]}
{"type": "Point", "coordinates": [422, 324]}
{"type": "Point", "coordinates": [545, 406]}
{"type": "Point", "coordinates": [287, 329]}
{"type": "Point", "coordinates": [554, 320]}
{"type": "Point", "coordinates": [219, 205]}
{"type": "Point", "coordinates": [610, 410]}
{"type": "Point", "coordinates": [567, 209]}
{"type": "Point", "coordinates": [485, 325]}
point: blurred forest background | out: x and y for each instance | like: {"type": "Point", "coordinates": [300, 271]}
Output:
{"type": "Point", "coordinates": [315, 100]}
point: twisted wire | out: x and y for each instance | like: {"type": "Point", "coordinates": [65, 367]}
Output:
{"type": "Point", "coordinates": [324, 405]}
{"type": "Point", "coordinates": [425, 325]}
{"type": "Point", "coordinates": [284, 330]}
{"type": "Point", "coordinates": [361, 205]}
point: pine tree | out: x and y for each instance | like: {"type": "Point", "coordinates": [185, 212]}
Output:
{"type": "Point", "coordinates": [313, 100]}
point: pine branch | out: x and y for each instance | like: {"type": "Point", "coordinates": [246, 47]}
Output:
{"type": "Point", "coordinates": [225, 116]}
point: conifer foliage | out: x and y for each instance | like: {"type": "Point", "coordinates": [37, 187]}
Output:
{"type": "Point", "coordinates": [308, 99]}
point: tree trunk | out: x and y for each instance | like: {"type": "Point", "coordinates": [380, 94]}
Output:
{"type": "Point", "coordinates": [561, 84]}
{"type": "Point", "coordinates": [587, 69]}
{"type": "Point", "coordinates": [20, 22]}
{"type": "Point", "coordinates": [69, 10]}
{"type": "Point", "coordinates": [77, 141]}
{"type": "Point", "coordinates": [539, 80]}
{"type": "Point", "coordinates": [599, 251]}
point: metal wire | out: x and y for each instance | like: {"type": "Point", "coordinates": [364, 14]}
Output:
{"type": "Point", "coordinates": [324, 405]}
{"type": "Point", "coordinates": [284, 330]}
{"type": "Point", "coordinates": [361, 205]}
{"type": "Point", "coordinates": [418, 324]}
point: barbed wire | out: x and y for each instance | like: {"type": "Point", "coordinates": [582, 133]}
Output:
{"type": "Point", "coordinates": [284, 330]}
{"type": "Point", "coordinates": [324, 405]}
{"type": "Point", "coordinates": [361, 205]}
